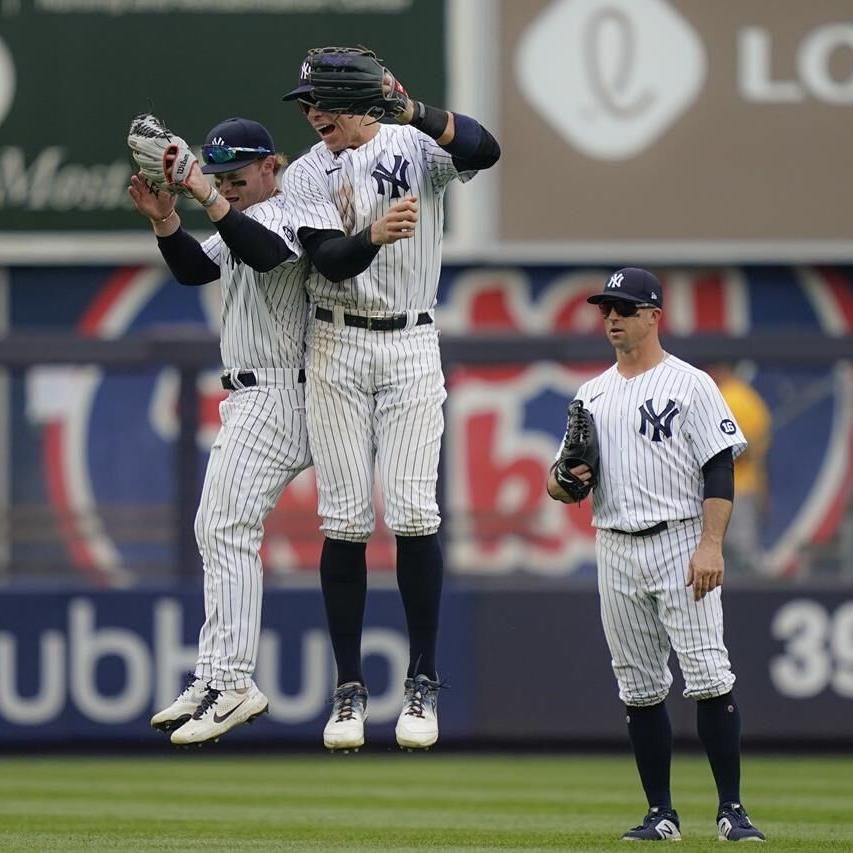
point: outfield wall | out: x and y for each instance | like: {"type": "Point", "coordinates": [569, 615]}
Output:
{"type": "Point", "coordinates": [523, 666]}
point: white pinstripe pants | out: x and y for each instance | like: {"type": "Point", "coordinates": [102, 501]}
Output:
{"type": "Point", "coordinates": [646, 610]}
{"type": "Point", "coordinates": [261, 446]}
{"type": "Point", "coordinates": [374, 400]}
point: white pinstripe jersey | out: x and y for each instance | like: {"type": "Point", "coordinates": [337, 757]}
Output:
{"type": "Point", "coordinates": [655, 433]}
{"type": "Point", "coordinates": [349, 190]}
{"type": "Point", "coordinates": [263, 314]}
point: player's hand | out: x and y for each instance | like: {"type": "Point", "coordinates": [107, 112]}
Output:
{"type": "Point", "coordinates": [391, 86]}
{"type": "Point", "coordinates": [706, 570]}
{"type": "Point", "coordinates": [397, 224]}
{"type": "Point", "coordinates": [197, 183]}
{"type": "Point", "coordinates": [583, 472]}
{"type": "Point", "coordinates": [556, 491]}
{"type": "Point", "coordinates": [148, 201]}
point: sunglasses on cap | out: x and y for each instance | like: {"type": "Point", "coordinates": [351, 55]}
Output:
{"type": "Point", "coordinates": [227, 153]}
{"type": "Point", "coordinates": [622, 307]}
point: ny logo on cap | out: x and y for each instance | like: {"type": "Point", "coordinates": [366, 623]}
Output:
{"type": "Point", "coordinates": [305, 71]}
{"type": "Point", "coordinates": [616, 280]}
{"type": "Point", "coordinates": [218, 141]}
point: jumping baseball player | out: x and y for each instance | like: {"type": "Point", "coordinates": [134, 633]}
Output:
{"type": "Point", "coordinates": [375, 385]}
{"type": "Point", "coordinates": [263, 442]}
{"type": "Point", "coordinates": [662, 487]}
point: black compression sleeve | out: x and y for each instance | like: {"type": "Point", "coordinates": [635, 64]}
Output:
{"type": "Point", "coordinates": [337, 256]}
{"type": "Point", "coordinates": [719, 473]}
{"type": "Point", "coordinates": [186, 259]}
{"type": "Point", "coordinates": [252, 242]}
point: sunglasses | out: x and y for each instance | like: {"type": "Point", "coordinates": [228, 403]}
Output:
{"type": "Point", "coordinates": [227, 153]}
{"type": "Point", "coordinates": [622, 308]}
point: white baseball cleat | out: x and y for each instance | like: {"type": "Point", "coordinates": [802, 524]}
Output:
{"type": "Point", "coordinates": [417, 726]}
{"type": "Point", "coordinates": [345, 729]}
{"type": "Point", "coordinates": [182, 708]}
{"type": "Point", "coordinates": [218, 712]}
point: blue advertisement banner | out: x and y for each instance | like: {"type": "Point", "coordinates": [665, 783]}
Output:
{"type": "Point", "coordinates": [521, 666]}
{"type": "Point", "coordinates": [97, 666]}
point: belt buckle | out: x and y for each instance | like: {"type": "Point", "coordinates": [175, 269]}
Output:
{"type": "Point", "coordinates": [369, 325]}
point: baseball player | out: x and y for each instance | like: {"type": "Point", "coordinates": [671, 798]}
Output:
{"type": "Point", "coordinates": [661, 503]}
{"type": "Point", "coordinates": [263, 442]}
{"type": "Point", "coordinates": [375, 384]}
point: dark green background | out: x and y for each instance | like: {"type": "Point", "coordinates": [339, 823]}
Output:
{"type": "Point", "coordinates": [81, 77]}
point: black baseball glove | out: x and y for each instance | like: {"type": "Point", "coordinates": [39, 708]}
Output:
{"type": "Point", "coordinates": [580, 447]}
{"type": "Point", "coordinates": [353, 80]}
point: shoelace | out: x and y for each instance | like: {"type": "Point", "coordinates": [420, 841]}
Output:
{"type": "Point", "coordinates": [421, 693]}
{"type": "Point", "coordinates": [190, 683]}
{"type": "Point", "coordinates": [739, 813]}
{"type": "Point", "coordinates": [650, 818]}
{"type": "Point", "coordinates": [344, 701]}
{"type": "Point", "coordinates": [208, 701]}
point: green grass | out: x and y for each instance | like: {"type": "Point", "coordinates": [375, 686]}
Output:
{"type": "Point", "coordinates": [202, 801]}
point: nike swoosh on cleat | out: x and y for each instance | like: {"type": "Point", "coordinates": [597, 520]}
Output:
{"type": "Point", "coordinates": [224, 717]}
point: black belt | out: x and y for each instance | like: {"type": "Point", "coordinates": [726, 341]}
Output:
{"type": "Point", "coordinates": [376, 324]}
{"type": "Point", "coordinates": [649, 531]}
{"type": "Point", "coordinates": [247, 379]}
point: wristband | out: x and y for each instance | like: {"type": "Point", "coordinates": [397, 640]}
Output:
{"type": "Point", "coordinates": [429, 120]}
{"type": "Point", "coordinates": [211, 197]}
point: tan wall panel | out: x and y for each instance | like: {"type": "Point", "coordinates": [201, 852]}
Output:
{"type": "Point", "coordinates": [725, 168]}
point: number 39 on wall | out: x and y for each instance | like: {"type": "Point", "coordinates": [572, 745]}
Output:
{"type": "Point", "coordinates": [818, 651]}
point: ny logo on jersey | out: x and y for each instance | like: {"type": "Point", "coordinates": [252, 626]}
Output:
{"type": "Point", "coordinates": [615, 280]}
{"type": "Point", "coordinates": [660, 424]}
{"type": "Point", "coordinates": [396, 178]}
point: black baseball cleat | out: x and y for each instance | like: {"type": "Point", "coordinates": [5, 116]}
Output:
{"type": "Point", "coordinates": [733, 824]}
{"type": "Point", "coordinates": [658, 825]}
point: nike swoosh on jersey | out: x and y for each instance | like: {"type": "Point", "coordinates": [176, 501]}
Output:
{"type": "Point", "coordinates": [336, 169]}
{"type": "Point", "coordinates": [596, 396]}
{"type": "Point", "coordinates": [221, 719]}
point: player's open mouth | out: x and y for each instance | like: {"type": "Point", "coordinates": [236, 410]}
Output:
{"type": "Point", "coordinates": [325, 130]}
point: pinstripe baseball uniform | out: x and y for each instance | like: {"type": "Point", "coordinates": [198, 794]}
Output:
{"type": "Point", "coordinates": [375, 396]}
{"type": "Point", "coordinates": [261, 446]}
{"type": "Point", "coordinates": [656, 431]}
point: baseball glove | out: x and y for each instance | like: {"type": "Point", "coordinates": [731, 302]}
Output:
{"type": "Point", "coordinates": [353, 80]}
{"type": "Point", "coordinates": [580, 447]}
{"type": "Point", "coordinates": [164, 159]}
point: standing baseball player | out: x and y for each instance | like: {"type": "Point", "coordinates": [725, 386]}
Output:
{"type": "Point", "coordinates": [662, 496]}
{"type": "Point", "coordinates": [375, 385]}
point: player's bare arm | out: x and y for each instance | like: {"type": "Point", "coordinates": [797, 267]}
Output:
{"type": "Point", "coordinates": [706, 568]}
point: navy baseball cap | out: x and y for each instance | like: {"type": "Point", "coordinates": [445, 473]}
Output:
{"type": "Point", "coordinates": [631, 284]}
{"type": "Point", "coordinates": [235, 143]}
{"type": "Point", "coordinates": [303, 90]}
